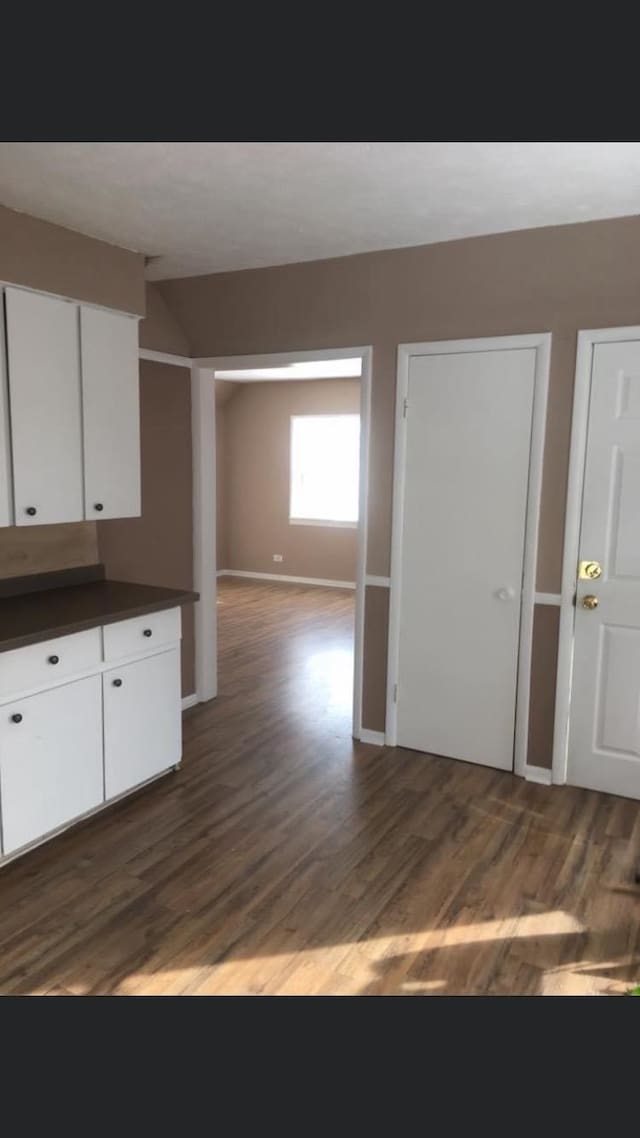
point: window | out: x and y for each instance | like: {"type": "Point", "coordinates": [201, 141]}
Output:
{"type": "Point", "coordinates": [325, 467]}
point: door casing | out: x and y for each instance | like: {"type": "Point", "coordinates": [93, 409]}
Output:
{"type": "Point", "coordinates": [587, 340]}
{"type": "Point", "coordinates": [541, 342]}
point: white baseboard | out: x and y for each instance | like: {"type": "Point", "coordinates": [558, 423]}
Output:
{"type": "Point", "coordinates": [376, 738]}
{"type": "Point", "coordinates": [537, 774]}
{"type": "Point", "coordinates": [284, 577]}
{"type": "Point", "coordinates": [189, 701]}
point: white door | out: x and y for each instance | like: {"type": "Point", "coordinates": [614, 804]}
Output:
{"type": "Point", "coordinates": [6, 495]}
{"type": "Point", "coordinates": [142, 721]}
{"type": "Point", "coordinates": [50, 760]}
{"type": "Point", "coordinates": [604, 725]}
{"type": "Point", "coordinates": [111, 412]}
{"type": "Point", "coordinates": [46, 419]}
{"type": "Point", "coordinates": [468, 442]}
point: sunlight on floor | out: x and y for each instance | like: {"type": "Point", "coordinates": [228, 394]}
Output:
{"type": "Point", "coordinates": [351, 967]}
{"type": "Point", "coordinates": [587, 978]}
{"type": "Point", "coordinates": [331, 671]}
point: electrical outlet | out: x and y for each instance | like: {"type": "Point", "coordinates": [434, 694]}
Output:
{"type": "Point", "coordinates": [278, 557]}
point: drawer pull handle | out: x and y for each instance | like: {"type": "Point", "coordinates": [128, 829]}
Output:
{"type": "Point", "coordinates": [17, 718]}
{"type": "Point", "coordinates": [54, 659]}
{"type": "Point", "coordinates": [148, 632]}
{"type": "Point", "coordinates": [99, 507]}
{"type": "Point", "coordinates": [117, 683]}
{"type": "Point", "coordinates": [31, 511]}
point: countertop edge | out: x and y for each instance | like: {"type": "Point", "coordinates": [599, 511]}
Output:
{"type": "Point", "coordinates": [82, 625]}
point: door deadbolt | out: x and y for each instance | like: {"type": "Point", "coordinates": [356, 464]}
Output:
{"type": "Point", "coordinates": [589, 570]}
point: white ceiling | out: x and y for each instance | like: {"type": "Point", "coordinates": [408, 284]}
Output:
{"type": "Point", "coordinates": [201, 207]}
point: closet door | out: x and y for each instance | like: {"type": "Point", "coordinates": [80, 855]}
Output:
{"type": "Point", "coordinates": [6, 496]}
{"type": "Point", "coordinates": [111, 412]}
{"type": "Point", "coordinates": [466, 473]}
{"type": "Point", "coordinates": [46, 422]}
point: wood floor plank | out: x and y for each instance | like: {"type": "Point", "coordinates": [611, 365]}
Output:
{"type": "Point", "coordinates": [284, 858]}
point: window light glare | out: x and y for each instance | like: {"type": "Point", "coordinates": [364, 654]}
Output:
{"type": "Point", "coordinates": [325, 469]}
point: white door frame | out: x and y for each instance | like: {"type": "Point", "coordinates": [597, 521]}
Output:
{"type": "Point", "coordinates": [203, 411]}
{"type": "Point", "coordinates": [587, 340]}
{"type": "Point", "coordinates": [542, 344]}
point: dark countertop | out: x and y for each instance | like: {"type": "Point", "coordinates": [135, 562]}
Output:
{"type": "Point", "coordinates": [48, 612]}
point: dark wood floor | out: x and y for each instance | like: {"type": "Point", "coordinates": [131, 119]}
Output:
{"type": "Point", "coordinates": [284, 858]}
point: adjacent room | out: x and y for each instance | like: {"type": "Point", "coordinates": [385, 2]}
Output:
{"type": "Point", "coordinates": [287, 532]}
{"type": "Point", "coordinates": [319, 568]}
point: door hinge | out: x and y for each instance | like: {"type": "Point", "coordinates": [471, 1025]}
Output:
{"type": "Point", "coordinates": [395, 693]}
{"type": "Point", "coordinates": [405, 408]}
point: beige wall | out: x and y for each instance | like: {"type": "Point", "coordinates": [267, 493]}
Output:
{"type": "Point", "coordinates": [557, 279]}
{"type": "Point", "coordinates": [48, 257]}
{"type": "Point", "coordinates": [255, 476]}
{"type": "Point", "coordinates": [160, 330]}
{"type": "Point", "coordinates": [156, 549]}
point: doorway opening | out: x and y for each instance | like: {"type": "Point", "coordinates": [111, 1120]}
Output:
{"type": "Point", "coordinates": [281, 446]}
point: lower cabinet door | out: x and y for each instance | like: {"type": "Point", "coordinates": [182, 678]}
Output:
{"type": "Point", "coordinates": [142, 721]}
{"type": "Point", "coordinates": [51, 768]}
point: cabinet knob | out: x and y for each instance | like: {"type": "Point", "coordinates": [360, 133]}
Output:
{"type": "Point", "coordinates": [148, 632]}
{"type": "Point", "coordinates": [31, 511]}
{"type": "Point", "coordinates": [17, 718]}
{"type": "Point", "coordinates": [54, 659]}
{"type": "Point", "coordinates": [117, 683]}
{"type": "Point", "coordinates": [99, 507]}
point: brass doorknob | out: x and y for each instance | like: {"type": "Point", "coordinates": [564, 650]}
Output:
{"type": "Point", "coordinates": [589, 602]}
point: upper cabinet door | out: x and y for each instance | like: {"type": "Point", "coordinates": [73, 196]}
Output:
{"type": "Point", "coordinates": [6, 496]}
{"type": "Point", "coordinates": [111, 410]}
{"type": "Point", "coordinates": [46, 420]}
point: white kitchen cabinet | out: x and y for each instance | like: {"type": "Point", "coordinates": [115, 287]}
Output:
{"type": "Point", "coordinates": [43, 352]}
{"type": "Point", "coordinates": [103, 715]}
{"type": "Point", "coordinates": [6, 480]}
{"type": "Point", "coordinates": [111, 413]}
{"type": "Point", "coordinates": [142, 721]}
{"type": "Point", "coordinates": [51, 767]}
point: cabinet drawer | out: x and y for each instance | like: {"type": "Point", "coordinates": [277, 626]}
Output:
{"type": "Point", "coordinates": [40, 665]}
{"type": "Point", "coordinates": [141, 634]}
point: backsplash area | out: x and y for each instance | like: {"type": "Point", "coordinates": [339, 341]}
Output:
{"type": "Point", "coordinates": [41, 549]}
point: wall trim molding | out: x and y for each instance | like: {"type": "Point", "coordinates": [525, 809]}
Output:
{"type": "Point", "coordinates": [374, 738]}
{"type": "Point", "coordinates": [541, 775]}
{"type": "Point", "coordinates": [587, 340]}
{"type": "Point", "coordinates": [548, 599]}
{"type": "Point", "coordinates": [164, 358]}
{"type": "Point", "coordinates": [189, 701]}
{"type": "Point", "coordinates": [286, 578]}
{"type": "Point", "coordinates": [541, 342]}
{"type": "Point", "coordinates": [377, 582]}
